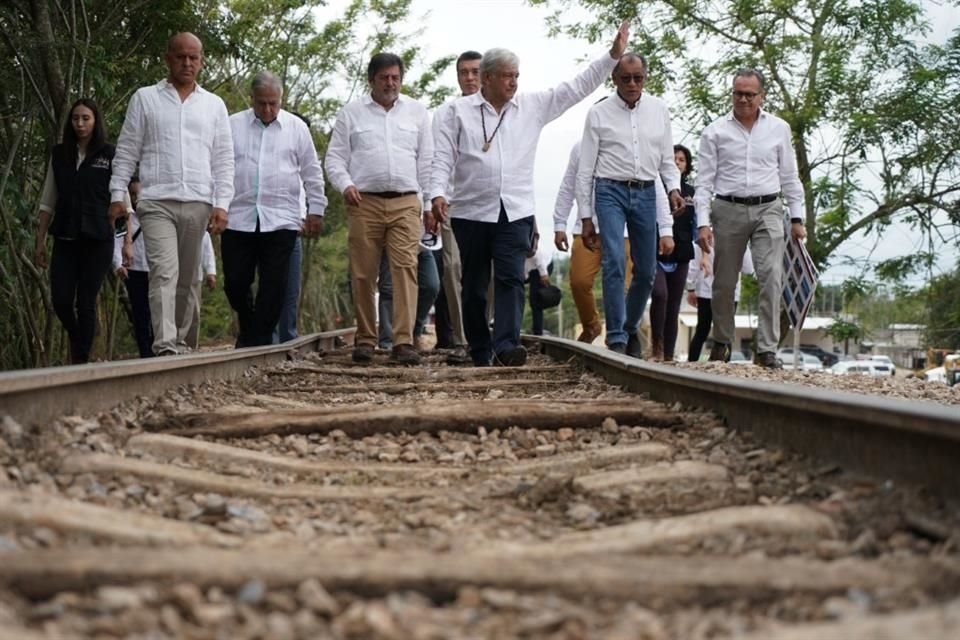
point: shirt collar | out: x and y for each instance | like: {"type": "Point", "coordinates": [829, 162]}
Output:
{"type": "Point", "coordinates": [478, 99]}
{"type": "Point", "coordinates": [620, 102]}
{"type": "Point", "coordinates": [166, 85]}
{"type": "Point", "coordinates": [761, 116]}
{"type": "Point", "coordinates": [367, 99]}
{"type": "Point", "coordinates": [255, 121]}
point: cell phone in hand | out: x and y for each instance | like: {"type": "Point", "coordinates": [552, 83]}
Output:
{"type": "Point", "coordinates": [120, 227]}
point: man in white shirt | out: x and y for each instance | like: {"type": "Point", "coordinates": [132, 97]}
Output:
{"type": "Point", "coordinates": [468, 77]}
{"type": "Point", "coordinates": [746, 162]}
{"type": "Point", "coordinates": [379, 157]}
{"type": "Point", "coordinates": [180, 136]}
{"type": "Point", "coordinates": [584, 261]}
{"type": "Point", "coordinates": [627, 148]}
{"type": "Point", "coordinates": [274, 153]}
{"type": "Point", "coordinates": [488, 143]}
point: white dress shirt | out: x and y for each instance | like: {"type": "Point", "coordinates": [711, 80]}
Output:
{"type": "Point", "coordinates": [540, 261]}
{"type": "Point", "coordinates": [274, 165]}
{"type": "Point", "coordinates": [184, 149]}
{"type": "Point", "coordinates": [378, 150]}
{"type": "Point", "coordinates": [505, 171]}
{"type": "Point", "coordinates": [701, 282]}
{"type": "Point", "coordinates": [736, 162]}
{"type": "Point", "coordinates": [620, 143]}
{"type": "Point", "coordinates": [139, 262]}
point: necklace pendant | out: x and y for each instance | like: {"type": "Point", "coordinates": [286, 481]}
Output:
{"type": "Point", "coordinates": [486, 147]}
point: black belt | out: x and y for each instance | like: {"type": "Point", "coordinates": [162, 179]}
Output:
{"type": "Point", "coordinates": [631, 184]}
{"type": "Point", "coordinates": [388, 194]}
{"type": "Point", "coordinates": [751, 201]}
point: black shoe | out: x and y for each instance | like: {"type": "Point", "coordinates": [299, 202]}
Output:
{"type": "Point", "coordinates": [405, 354]}
{"type": "Point", "coordinates": [516, 357]}
{"type": "Point", "coordinates": [768, 360]}
{"type": "Point", "coordinates": [362, 353]}
{"type": "Point", "coordinates": [720, 352]}
{"type": "Point", "coordinates": [458, 356]}
{"type": "Point", "coordinates": [634, 349]}
{"type": "Point", "coordinates": [618, 347]}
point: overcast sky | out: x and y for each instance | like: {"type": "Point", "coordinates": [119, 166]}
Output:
{"type": "Point", "coordinates": [452, 26]}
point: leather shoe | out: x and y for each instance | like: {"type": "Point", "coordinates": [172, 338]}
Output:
{"type": "Point", "coordinates": [405, 354]}
{"type": "Point", "coordinates": [362, 353]}
{"type": "Point", "coordinates": [458, 355]}
{"type": "Point", "coordinates": [589, 334]}
{"type": "Point", "coordinates": [768, 360]}
{"type": "Point", "coordinates": [634, 350]}
{"type": "Point", "coordinates": [516, 357]}
{"type": "Point", "coordinates": [618, 347]}
{"type": "Point", "coordinates": [720, 352]}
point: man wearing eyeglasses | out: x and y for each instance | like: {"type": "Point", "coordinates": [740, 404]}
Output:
{"type": "Point", "coordinates": [746, 162]}
{"type": "Point", "coordinates": [626, 150]}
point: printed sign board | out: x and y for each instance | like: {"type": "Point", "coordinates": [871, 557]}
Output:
{"type": "Point", "coordinates": [799, 282]}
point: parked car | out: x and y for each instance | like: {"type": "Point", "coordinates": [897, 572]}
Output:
{"type": "Point", "coordinates": [807, 362]}
{"type": "Point", "coordinates": [854, 367]}
{"type": "Point", "coordinates": [737, 357]}
{"type": "Point", "coordinates": [884, 364]}
{"type": "Point", "coordinates": [827, 358]}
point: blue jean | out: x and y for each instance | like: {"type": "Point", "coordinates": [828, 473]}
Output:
{"type": "Point", "coordinates": [286, 329]}
{"type": "Point", "coordinates": [506, 244]}
{"type": "Point", "coordinates": [617, 204]}
{"type": "Point", "coordinates": [428, 285]}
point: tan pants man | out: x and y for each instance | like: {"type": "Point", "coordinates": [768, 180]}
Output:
{"type": "Point", "coordinates": [584, 267]}
{"type": "Point", "coordinates": [173, 240]}
{"type": "Point", "coordinates": [452, 272]}
{"type": "Point", "coordinates": [379, 224]}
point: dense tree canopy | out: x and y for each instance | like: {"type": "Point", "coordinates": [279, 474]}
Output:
{"type": "Point", "coordinates": [54, 51]}
{"type": "Point", "coordinates": [875, 113]}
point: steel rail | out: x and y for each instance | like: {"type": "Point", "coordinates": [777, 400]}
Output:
{"type": "Point", "coordinates": [916, 442]}
{"type": "Point", "coordinates": [35, 396]}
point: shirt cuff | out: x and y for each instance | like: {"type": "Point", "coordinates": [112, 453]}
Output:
{"type": "Point", "coordinates": [666, 232]}
{"type": "Point", "coordinates": [221, 204]}
{"type": "Point", "coordinates": [117, 195]}
{"type": "Point", "coordinates": [559, 227]}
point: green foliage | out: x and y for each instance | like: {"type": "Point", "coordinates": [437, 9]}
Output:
{"type": "Point", "coordinates": [844, 331]}
{"type": "Point", "coordinates": [943, 311]}
{"type": "Point", "coordinates": [875, 115]}
{"type": "Point", "coordinates": [53, 52]}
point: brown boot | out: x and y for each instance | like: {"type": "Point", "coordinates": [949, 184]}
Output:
{"type": "Point", "coordinates": [589, 333]}
{"type": "Point", "coordinates": [656, 349]}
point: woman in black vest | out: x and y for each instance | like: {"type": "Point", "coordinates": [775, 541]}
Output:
{"type": "Point", "coordinates": [671, 279]}
{"type": "Point", "coordinates": [76, 195]}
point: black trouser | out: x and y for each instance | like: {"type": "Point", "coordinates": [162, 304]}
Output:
{"type": "Point", "coordinates": [506, 244]}
{"type": "Point", "coordinates": [77, 269]}
{"type": "Point", "coordinates": [536, 311]}
{"type": "Point", "coordinates": [668, 289]}
{"type": "Point", "coordinates": [138, 288]}
{"type": "Point", "coordinates": [441, 314]}
{"type": "Point", "coordinates": [704, 321]}
{"type": "Point", "coordinates": [266, 255]}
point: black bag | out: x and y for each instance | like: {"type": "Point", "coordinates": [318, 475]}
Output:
{"type": "Point", "coordinates": [549, 296]}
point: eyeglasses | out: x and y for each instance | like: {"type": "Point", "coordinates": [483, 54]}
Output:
{"type": "Point", "coordinates": [749, 95]}
{"type": "Point", "coordinates": [636, 79]}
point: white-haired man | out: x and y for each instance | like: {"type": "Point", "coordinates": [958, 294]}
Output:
{"type": "Point", "coordinates": [488, 143]}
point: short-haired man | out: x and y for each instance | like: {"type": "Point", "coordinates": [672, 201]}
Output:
{"type": "Point", "coordinates": [746, 162]}
{"type": "Point", "coordinates": [468, 77]}
{"type": "Point", "coordinates": [274, 154]}
{"type": "Point", "coordinates": [379, 157]}
{"type": "Point", "coordinates": [488, 143]}
{"type": "Point", "coordinates": [627, 148]}
{"type": "Point", "coordinates": [180, 136]}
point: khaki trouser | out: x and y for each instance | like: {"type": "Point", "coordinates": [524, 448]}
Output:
{"type": "Point", "coordinates": [377, 225]}
{"type": "Point", "coordinates": [584, 267]}
{"type": "Point", "coordinates": [734, 225]}
{"type": "Point", "coordinates": [173, 242]}
{"type": "Point", "coordinates": [452, 275]}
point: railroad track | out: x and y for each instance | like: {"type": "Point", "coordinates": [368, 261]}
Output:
{"type": "Point", "coordinates": [285, 493]}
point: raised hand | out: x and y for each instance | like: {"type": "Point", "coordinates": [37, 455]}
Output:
{"type": "Point", "coordinates": [619, 46]}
